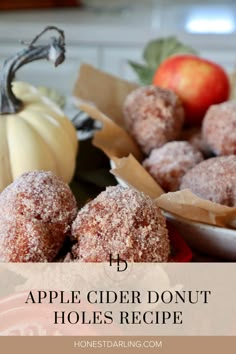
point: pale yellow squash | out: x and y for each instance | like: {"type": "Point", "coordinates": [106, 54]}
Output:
{"type": "Point", "coordinates": [37, 137]}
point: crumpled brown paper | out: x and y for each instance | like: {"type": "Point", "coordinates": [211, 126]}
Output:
{"type": "Point", "coordinates": [106, 138]}
{"type": "Point", "coordinates": [108, 94]}
{"type": "Point", "coordinates": [106, 91]}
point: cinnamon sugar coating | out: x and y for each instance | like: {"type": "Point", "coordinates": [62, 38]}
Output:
{"type": "Point", "coordinates": [219, 128]}
{"type": "Point", "coordinates": [194, 137]}
{"type": "Point", "coordinates": [120, 221]}
{"type": "Point", "coordinates": [213, 179]}
{"type": "Point", "coordinates": [36, 211]}
{"type": "Point", "coordinates": [153, 116]}
{"type": "Point", "coordinates": [25, 240]}
{"type": "Point", "coordinates": [169, 163]}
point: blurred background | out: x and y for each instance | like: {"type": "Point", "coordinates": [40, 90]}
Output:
{"type": "Point", "coordinates": [108, 33]}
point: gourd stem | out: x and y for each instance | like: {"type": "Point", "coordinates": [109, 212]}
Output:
{"type": "Point", "coordinates": [54, 51]}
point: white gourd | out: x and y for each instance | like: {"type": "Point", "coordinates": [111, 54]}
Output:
{"type": "Point", "coordinates": [34, 132]}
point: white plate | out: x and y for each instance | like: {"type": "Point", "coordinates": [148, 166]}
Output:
{"type": "Point", "coordinates": [215, 241]}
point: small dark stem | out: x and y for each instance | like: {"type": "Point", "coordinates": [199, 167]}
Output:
{"type": "Point", "coordinates": [54, 51]}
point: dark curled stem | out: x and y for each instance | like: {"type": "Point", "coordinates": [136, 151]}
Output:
{"type": "Point", "coordinates": [54, 51]}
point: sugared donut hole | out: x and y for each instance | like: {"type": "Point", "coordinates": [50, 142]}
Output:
{"type": "Point", "coordinates": [194, 137]}
{"type": "Point", "coordinates": [36, 211]}
{"type": "Point", "coordinates": [153, 116]}
{"type": "Point", "coordinates": [213, 179]}
{"type": "Point", "coordinates": [169, 163]}
{"type": "Point", "coordinates": [120, 221]}
{"type": "Point", "coordinates": [219, 128]}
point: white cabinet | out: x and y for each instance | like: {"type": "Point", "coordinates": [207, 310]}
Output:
{"type": "Point", "coordinates": [106, 40]}
{"type": "Point", "coordinates": [42, 73]}
{"type": "Point", "coordinates": [227, 60]}
{"type": "Point", "coordinates": [115, 61]}
{"type": "Point", "coordinates": [217, 48]}
{"type": "Point", "coordinates": [63, 77]}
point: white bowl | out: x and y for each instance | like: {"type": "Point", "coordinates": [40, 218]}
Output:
{"type": "Point", "coordinates": [212, 240]}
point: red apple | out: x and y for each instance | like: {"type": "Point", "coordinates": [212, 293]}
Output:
{"type": "Point", "coordinates": [198, 82]}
